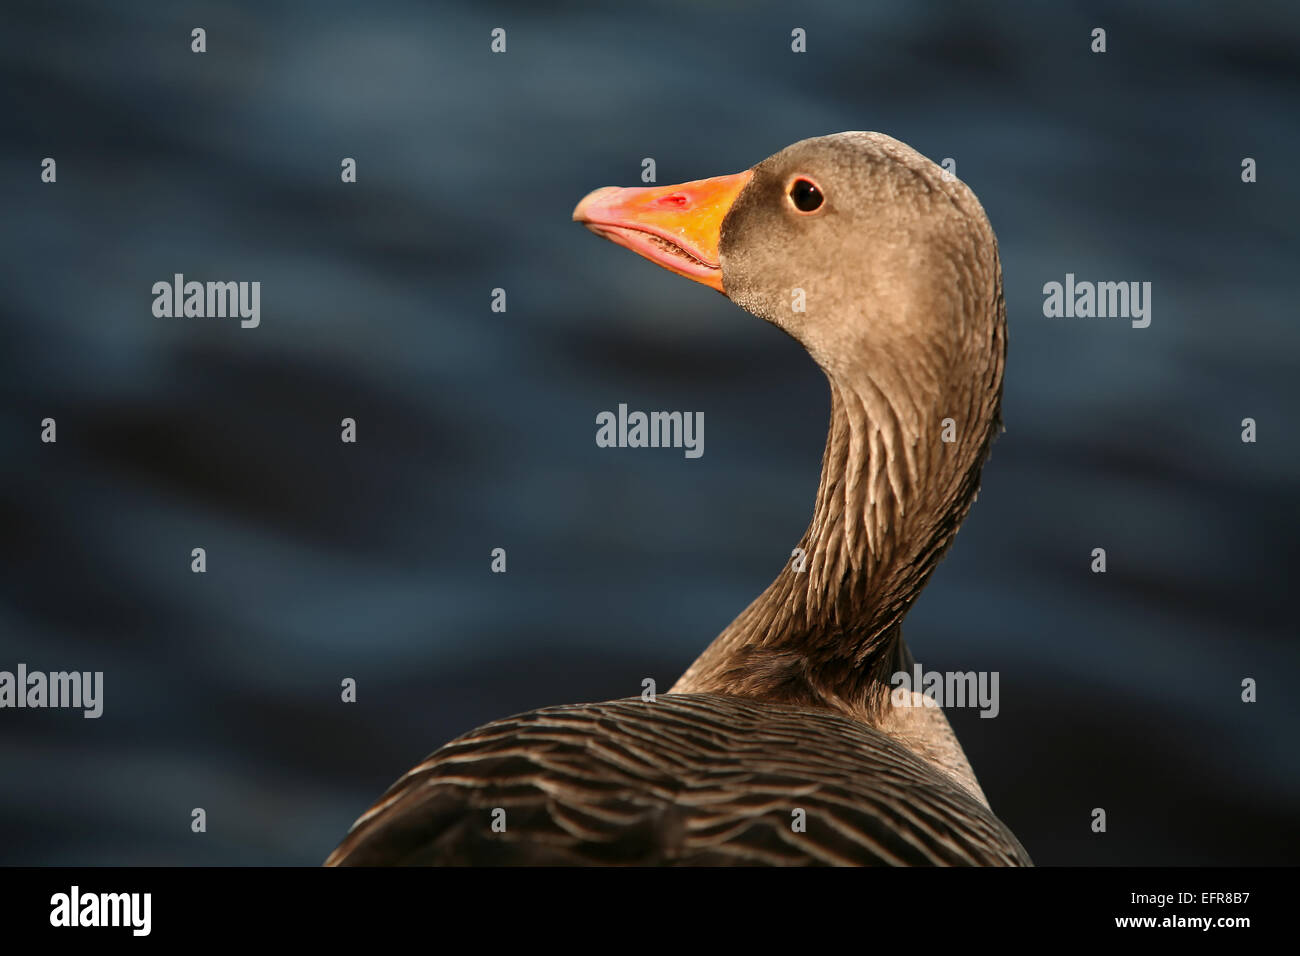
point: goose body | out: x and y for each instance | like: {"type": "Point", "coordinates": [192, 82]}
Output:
{"type": "Point", "coordinates": [782, 743]}
{"type": "Point", "coordinates": [690, 779]}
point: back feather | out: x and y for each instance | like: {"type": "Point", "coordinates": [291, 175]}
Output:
{"type": "Point", "coordinates": [690, 779]}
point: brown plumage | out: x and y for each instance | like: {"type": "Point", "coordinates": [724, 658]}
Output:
{"type": "Point", "coordinates": [693, 779]}
{"type": "Point", "coordinates": [789, 709]}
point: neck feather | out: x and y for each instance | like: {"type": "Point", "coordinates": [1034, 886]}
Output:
{"type": "Point", "coordinates": [892, 494]}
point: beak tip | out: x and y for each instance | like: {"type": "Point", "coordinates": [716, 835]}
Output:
{"type": "Point", "coordinates": [580, 211]}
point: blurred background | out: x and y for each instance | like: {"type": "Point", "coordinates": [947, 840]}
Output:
{"type": "Point", "coordinates": [476, 429]}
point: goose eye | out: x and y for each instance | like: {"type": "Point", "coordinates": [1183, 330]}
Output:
{"type": "Point", "coordinates": [805, 195]}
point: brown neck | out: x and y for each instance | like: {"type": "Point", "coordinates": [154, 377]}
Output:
{"type": "Point", "coordinates": [892, 494]}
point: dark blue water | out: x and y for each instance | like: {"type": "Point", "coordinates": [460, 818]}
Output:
{"type": "Point", "coordinates": [476, 428]}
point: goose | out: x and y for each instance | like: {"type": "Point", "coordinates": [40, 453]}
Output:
{"type": "Point", "coordinates": [785, 742]}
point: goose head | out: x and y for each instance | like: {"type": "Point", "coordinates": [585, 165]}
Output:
{"type": "Point", "coordinates": [855, 244]}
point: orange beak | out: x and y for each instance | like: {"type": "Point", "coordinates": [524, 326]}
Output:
{"type": "Point", "coordinates": [677, 227]}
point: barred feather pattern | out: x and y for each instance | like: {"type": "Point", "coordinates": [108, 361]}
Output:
{"type": "Point", "coordinates": [687, 779]}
